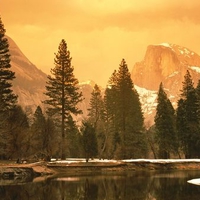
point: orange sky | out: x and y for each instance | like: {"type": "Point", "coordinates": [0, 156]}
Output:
{"type": "Point", "coordinates": [99, 33]}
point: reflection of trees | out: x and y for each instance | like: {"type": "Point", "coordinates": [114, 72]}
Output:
{"type": "Point", "coordinates": [141, 186]}
{"type": "Point", "coordinates": [174, 188]}
{"type": "Point", "coordinates": [12, 193]}
{"type": "Point", "coordinates": [91, 191]}
{"type": "Point", "coordinates": [91, 188]}
{"type": "Point", "coordinates": [172, 185]}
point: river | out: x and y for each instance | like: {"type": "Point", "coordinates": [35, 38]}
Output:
{"type": "Point", "coordinates": [151, 185]}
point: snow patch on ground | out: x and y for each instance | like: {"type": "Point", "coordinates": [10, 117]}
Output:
{"type": "Point", "coordinates": [79, 160]}
{"type": "Point", "coordinates": [163, 160]}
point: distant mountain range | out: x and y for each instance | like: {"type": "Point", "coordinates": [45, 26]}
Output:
{"type": "Point", "coordinates": [166, 63]}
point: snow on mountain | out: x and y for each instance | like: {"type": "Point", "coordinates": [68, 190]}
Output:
{"type": "Point", "coordinates": [147, 99]}
{"type": "Point", "coordinates": [166, 63]}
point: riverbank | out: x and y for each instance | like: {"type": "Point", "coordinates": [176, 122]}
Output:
{"type": "Point", "coordinates": [124, 165]}
{"type": "Point", "coordinates": [79, 166]}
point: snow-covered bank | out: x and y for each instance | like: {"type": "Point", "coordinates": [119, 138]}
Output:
{"type": "Point", "coordinates": [79, 165]}
{"type": "Point", "coordinates": [164, 160]}
{"type": "Point", "coordinates": [129, 164]}
{"type": "Point", "coordinates": [82, 160]}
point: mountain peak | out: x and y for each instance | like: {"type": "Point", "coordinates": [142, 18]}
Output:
{"type": "Point", "coordinates": [168, 45]}
{"type": "Point", "coordinates": [162, 62]}
{"type": "Point", "coordinates": [166, 63]}
{"type": "Point", "coordinates": [179, 50]}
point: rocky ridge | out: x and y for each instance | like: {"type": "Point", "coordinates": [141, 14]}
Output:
{"type": "Point", "coordinates": [29, 83]}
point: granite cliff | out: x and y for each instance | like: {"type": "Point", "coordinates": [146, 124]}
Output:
{"type": "Point", "coordinates": [166, 63]}
{"type": "Point", "coordinates": [29, 83]}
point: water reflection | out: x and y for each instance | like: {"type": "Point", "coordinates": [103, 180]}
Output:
{"type": "Point", "coordinates": [130, 186]}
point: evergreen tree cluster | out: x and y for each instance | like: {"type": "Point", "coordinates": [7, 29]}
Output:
{"type": "Point", "coordinates": [117, 118]}
{"type": "Point", "coordinates": [114, 127]}
{"type": "Point", "coordinates": [178, 131]}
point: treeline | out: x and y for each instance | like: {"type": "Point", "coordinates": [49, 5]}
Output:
{"type": "Point", "coordinates": [114, 127]}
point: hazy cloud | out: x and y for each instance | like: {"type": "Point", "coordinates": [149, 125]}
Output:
{"type": "Point", "coordinates": [99, 33]}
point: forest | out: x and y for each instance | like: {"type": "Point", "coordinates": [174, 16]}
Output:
{"type": "Point", "coordinates": [114, 127]}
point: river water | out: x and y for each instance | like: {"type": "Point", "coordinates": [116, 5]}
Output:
{"type": "Point", "coordinates": [167, 185]}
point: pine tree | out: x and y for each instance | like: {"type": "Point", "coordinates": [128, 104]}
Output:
{"type": "Point", "coordinates": [62, 91]}
{"type": "Point", "coordinates": [38, 130]}
{"type": "Point", "coordinates": [188, 107]}
{"type": "Point", "coordinates": [7, 98]}
{"type": "Point", "coordinates": [181, 126]}
{"type": "Point", "coordinates": [96, 117]}
{"type": "Point", "coordinates": [95, 110]}
{"type": "Point", "coordinates": [165, 125]}
{"type": "Point", "coordinates": [89, 140]}
{"type": "Point", "coordinates": [129, 117]}
{"type": "Point", "coordinates": [188, 85]}
{"type": "Point", "coordinates": [124, 112]}
{"type": "Point", "coordinates": [110, 116]}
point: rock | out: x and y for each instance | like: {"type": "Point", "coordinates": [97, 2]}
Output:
{"type": "Point", "coordinates": [166, 63]}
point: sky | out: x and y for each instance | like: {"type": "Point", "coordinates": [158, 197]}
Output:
{"type": "Point", "coordinates": [99, 33]}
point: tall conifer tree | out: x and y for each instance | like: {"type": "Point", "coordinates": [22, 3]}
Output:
{"type": "Point", "coordinates": [7, 97]}
{"type": "Point", "coordinates": [95, 110]}
{"type": "Point", "coordinates": [165, 125]}
{"type": "Point", "coordinates": [187, 112]}
{"type": "Point", "coordinates": [110, 116]}
{"type": "Point", "coordinates": [62, 91]}
{"type": "Point", "coordinates": [181, 126]}
{"type": "Point", "coordinates": [130, 116]}
{"type": "Point", "coordinates": [123, 106]}
{"type": "Point", "coordinates": [96, 117]}
{"type": "Point", "coordinates": [38, 133]}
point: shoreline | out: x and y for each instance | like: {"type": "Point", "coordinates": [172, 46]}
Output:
{"type": "Point", "coordinates": [136, 165]}
{"type": "Point", "coordinates": [38, 170]}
